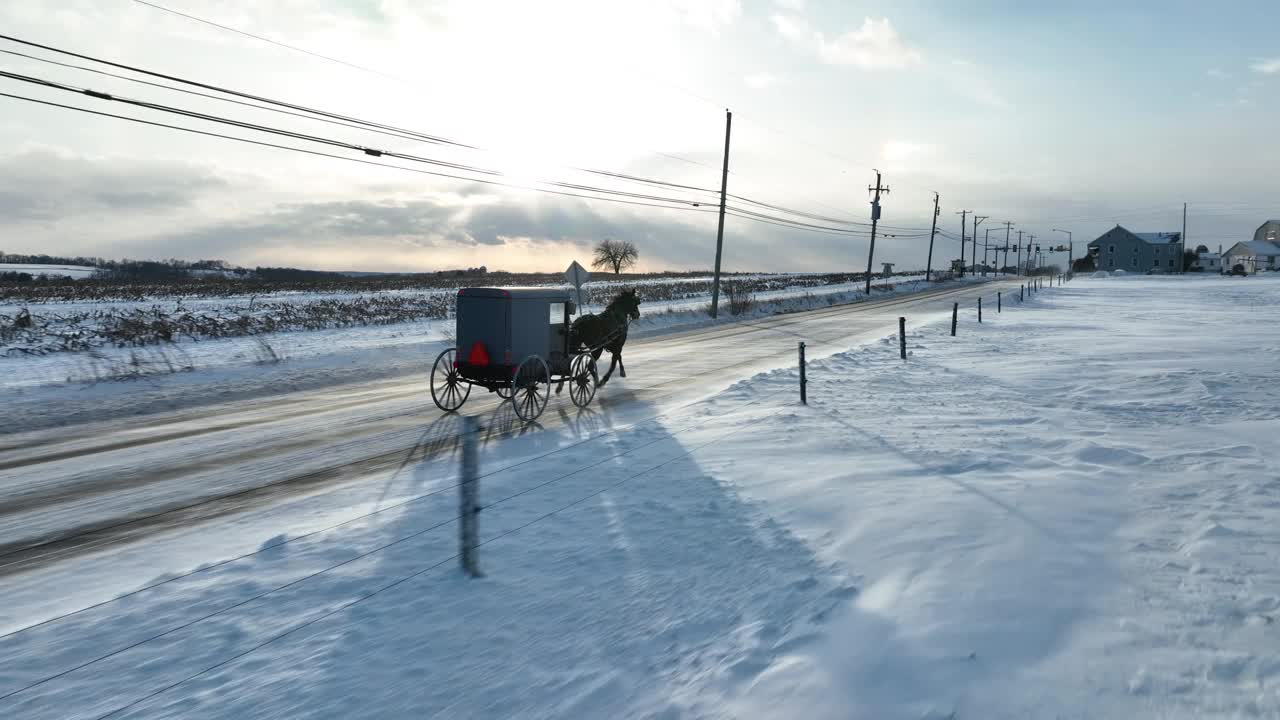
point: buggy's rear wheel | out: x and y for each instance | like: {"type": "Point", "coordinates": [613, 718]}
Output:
{"type": "Point", "coordinates": [531, 388]}
{"type": "Point", "coordinates": [582, 379]}
{"type": "Point", "coordinates": [504, 392]}
{"type": "Point", "coordinates": [448, 389]}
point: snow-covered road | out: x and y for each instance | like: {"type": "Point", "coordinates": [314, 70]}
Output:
{"type": "Point", "coordinates": [95, 484]}
{"type": "Point", "coordinates": [1069, 511]}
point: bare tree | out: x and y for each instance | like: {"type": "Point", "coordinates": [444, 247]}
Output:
{"type": "Point", "coordinates": [616, 254]}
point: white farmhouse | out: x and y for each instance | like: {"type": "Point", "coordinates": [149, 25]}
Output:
{"type": "Point", "coordinates": [1253, 256]}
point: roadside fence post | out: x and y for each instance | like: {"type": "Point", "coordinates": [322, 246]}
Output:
{"type": "Point", "coordinates": [979, 309]}
{"type": "Point", "coordinates": [469, 507]}
{"type": "Point", "coordinates": [804, 381]}
{"type": "Point", "coordinates": [999, 302]}
{"type": "Point", "coordinates": [902, 337]}
{"type": "Point", "coordinates": [955, 311]}
{"type": "Point", "coordinates": [1020, 289]}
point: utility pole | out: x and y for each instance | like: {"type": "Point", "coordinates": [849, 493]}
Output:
{"type": "Point", "coordinates": [1182, 262]}
{"type": "Point", "coordinates": [724, 188]}
{"type": "Point", "coordinates": [1030, 259]}
{"type": "Point", "coordinates": [928, 266]}
{"type": "Point", "coordinates": [963, 229]}
{"type": "Point", "coordinates": [1019, 247]}
{"type": "Point", "coordinates": [1007, 227]}
{"type": "Point", "coordinates": [976, 220]}
{"type": "Point", "coordinates": [986, 243]}
{"type": "Point", "coordinates": [1071, 255]}
{"type": "Point", "coordinates": [875, 218]}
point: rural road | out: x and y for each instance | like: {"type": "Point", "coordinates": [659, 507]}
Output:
{"type": "Point", "coordinates": [68, 491]}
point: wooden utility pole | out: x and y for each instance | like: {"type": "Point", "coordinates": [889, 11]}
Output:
{"type": "Point", "coordinates": [986, 245]}
{"type": "Point", "coordinates": [928, 266]}
{"type": "Point", "coordinates": [964, 214]}
{"type": "Point", "coordinates": [1008, 226]}
{"type": "Point", "coordinates": [875, 219]}
{"type": "Point", "coordinates": [724, 188]}
{"type": "Point", "coordinates": [976, 220]}
{"type": "Point", "coordinates": [1019, 248]}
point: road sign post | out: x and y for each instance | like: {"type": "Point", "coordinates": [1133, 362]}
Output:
{"type": "Point", "coordinates": [577, 276]}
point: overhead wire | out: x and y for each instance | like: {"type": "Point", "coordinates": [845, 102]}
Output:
{"type": "Point", "coordinates": [269, 104]}
{"type": "Point", "coordinates": [362, 161]}
{"type": "Point", "coordinates": [678, 87]}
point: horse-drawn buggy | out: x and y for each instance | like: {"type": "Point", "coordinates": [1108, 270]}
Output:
{"type": "Point", "coordinates": [517, 342]}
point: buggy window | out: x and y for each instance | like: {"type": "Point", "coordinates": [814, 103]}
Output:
{"type": "Point", "coordinates": [557, 312]}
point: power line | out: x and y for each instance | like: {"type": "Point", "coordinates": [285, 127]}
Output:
{"type": "Point", "coordinates": [686, 91]}
{"type": "Point", "coordinates": [350, 159]}
{"type": "Point", "coordinates": [294, 48]}
{"type": "Point", "coordinates": [356, 124]}
{"type": "Point", "coordinates": [330, 142]}
{"type": "Point", "coordinates": [347, 121]}
{"type": "Point", "coordinates": [308, 113]}
{"type": "Point", "coordinates": [236, 93]}
{"type": "Point", "coordinates": [633, 198]}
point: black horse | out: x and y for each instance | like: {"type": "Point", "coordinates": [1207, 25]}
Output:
{"type": "Point", "coordinates": [606, 331]}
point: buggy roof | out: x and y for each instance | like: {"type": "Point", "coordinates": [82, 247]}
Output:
{"type": "Point", "coordinates": [543, 293]}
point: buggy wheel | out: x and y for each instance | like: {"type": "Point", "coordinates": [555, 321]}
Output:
{"type": "Point", "coordinates": [582, 380]}
{"type": "Point", "coordinates": [504, 392]}
{"type": "Point", "coordinates": [448, 389]}
{"type": "Point", "coordinates": [531, 388]}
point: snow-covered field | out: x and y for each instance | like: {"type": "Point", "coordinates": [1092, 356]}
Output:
{"type": "Point", "coordinates": [1069, 511]}
{"type": "Point", "coordinates": [380, 350]}
{"type": "Point", "coordinates": [71, 271]}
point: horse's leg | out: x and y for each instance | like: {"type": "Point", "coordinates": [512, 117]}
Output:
{"type": "Point", "coordinates": [612, 364]}
{"type": "Point", "coordinates": [595, 366]}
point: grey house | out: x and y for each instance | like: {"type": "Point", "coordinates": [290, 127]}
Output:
{"type": "Point", "coordinates": [1120, 249]}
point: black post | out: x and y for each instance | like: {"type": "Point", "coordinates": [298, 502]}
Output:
{"type": "Point", "coordinates": [469, 504]}
{"type": "Point", "coordinates": [955, 312]}
{"type": "Point", "coordinates": [902, 337]}
{"type": "Point", "coordinates": [804, 397]}
{"type": "Point", "coordinates": [724, 187]}
{"type": "Point", "coordinates": [999, 303]}
{"type": "Point", "coordinates": [979, 309]}
{"type": "Point", "coordinates": [1021, 288]}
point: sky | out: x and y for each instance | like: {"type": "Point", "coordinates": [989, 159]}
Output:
{"type": "Point", "coordinates": [1073, 116]}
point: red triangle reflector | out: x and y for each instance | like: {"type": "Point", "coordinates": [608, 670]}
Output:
{"type": "Point", "coordinates": [478, 355]}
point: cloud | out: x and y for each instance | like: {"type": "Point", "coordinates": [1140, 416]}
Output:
{"type": "Point", "coordinates": [761, 80]}
{"type": "Point", "coordinates": [423, 234]}
{"type": "Point", "coordinates": [874, 46]}
{"type": "Point", "coordinates": [1269, 66]}
{"type": "Point", "coordinates": [47, 184]}
{"type": "Point", "coordinates": [1217, 73]}
{"type": "Point", "coordinates": [710, 15]}
{"type": "Point", "coordinates": [906, 155]}
{"type": "Point", "coordinates": [792, 5]}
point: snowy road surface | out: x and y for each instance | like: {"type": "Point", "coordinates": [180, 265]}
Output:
{"type": "Point", "coordinates": [1070, 511]}
{"type": "Point", "coordinates": [96, 484]}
